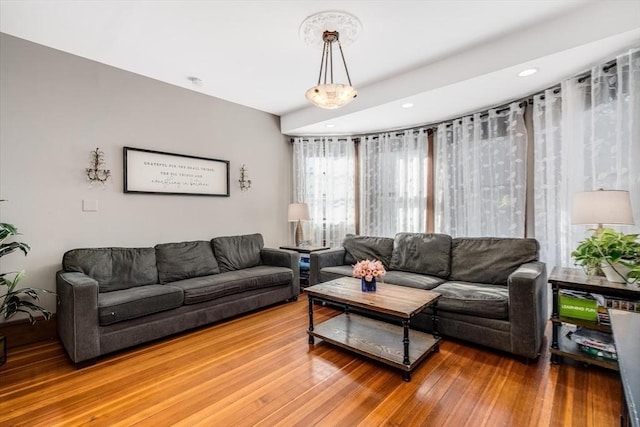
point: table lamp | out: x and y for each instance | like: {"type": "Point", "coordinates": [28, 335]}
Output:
{"type": "Point", "coordinates": [298, 212]}
{"type": "Point", "coordinates": [602, 207]}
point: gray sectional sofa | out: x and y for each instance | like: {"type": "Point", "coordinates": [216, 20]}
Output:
{"type": "Point", "coordinates": [114, 298]}
{"type": "Point", "coordinates": [494, 290]}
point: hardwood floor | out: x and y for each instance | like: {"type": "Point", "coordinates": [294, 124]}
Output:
{"type": "Point", "coordinates": [259, 370]}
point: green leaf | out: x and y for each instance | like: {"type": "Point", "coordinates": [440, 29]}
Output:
{"type": "Point", "coordinates": [7, 248]}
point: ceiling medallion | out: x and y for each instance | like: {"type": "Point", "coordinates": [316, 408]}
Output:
{"type": "Point", "coordinates": [314, 26]}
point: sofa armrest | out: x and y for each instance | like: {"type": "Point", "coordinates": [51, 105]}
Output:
{"type": "Point", "coordinates": [528, 308]}
{"type": "Point", "coordinates": [77, 315]}
{"type": "Point", "coordinates": [321, 259]}
{"type": "Point", "coordinates": [282, 258]}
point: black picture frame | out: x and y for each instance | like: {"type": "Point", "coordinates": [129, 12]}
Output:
{"type": "Point", "coordinates": [159, 172]}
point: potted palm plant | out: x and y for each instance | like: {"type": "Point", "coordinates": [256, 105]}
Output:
{"type": "Point", "coordinates": [614, 253]}
{"type": "Point", "coordinates": [15, 300]}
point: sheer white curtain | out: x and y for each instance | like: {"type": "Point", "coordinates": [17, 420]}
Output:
{"type": "Point", "coordinates": [587, 136]}
{"type": "Point", "coordinates": [324, 178]}
{"type": "Point", "coordinates": [480, 174]}
{"type": "Point", "coordinates": [393, 183]}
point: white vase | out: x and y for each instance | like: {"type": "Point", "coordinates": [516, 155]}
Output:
{"type": "Point", "coordinates": [617, 274]}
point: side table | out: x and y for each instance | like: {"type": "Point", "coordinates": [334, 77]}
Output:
{"type": "Point", "coordinates": [305, 260]}
{"type": "Point", "coordinates": [577, 280]}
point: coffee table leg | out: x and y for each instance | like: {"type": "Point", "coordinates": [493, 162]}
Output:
{"type": "Point", "coordinates": [436, 320]}
{"type": "Point", "coordinates": [555, 290]}
{"type": "Point", "coordinates": [405, 341]}
{"type": "Point", "coordinates": [311, 340]}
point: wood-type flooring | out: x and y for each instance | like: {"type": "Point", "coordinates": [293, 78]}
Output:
{"type": "Point", "coordinates": [259, 370]}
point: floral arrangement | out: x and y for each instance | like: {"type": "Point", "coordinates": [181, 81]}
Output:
{"type": "Point", "coordinates": [368, 270]}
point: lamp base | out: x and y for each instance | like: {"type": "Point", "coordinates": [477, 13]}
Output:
{"type": "Point", "coordinates": [299, 234]}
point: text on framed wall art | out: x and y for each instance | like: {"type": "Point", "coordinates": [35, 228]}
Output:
{"type": "Point", "coordinates": [156, 172]}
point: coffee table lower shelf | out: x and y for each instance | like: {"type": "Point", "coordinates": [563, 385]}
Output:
{"type": "Point", "coordinates": [376, 339]}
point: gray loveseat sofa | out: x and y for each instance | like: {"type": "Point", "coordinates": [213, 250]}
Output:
{"type": "Point", "coordinates": [494, 290]}
{"type": "Point", "coordinates": [114, 298]}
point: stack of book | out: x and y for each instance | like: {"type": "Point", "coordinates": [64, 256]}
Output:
{"type": "Point", "coordinates": [305, 265]}
{"type": "Point", "coordinates": [622, 304]}
{"type": "Point", "coordinates": [594, 342]}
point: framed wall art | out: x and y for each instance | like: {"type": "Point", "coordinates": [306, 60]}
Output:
{"type": "Point", "coordinates": [156, 172]}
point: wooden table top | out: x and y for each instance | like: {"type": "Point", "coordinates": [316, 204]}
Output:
{"type": "Point", "coordinates": [577, 279]}
{"type": "Point", "coordinates": [400, 301]}
{"type": "Point", "coordinates": [305, 249]}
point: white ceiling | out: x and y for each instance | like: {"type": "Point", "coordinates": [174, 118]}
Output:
{"type": "Point", "coordinates": [448, 58]}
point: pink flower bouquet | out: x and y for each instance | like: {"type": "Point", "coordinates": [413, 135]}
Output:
{"type": "Point", "coordinates": [368, 270]}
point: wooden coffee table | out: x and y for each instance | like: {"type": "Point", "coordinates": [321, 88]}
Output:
{"type": "Point", "coordinates": [380, 340]}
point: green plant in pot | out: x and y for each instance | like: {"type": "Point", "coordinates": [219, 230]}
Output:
{"type": "Point", "coordinates": [14, 300]}
{"type": "Point", "coordinates": [615, 253]}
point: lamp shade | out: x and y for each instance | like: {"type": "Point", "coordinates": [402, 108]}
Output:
{"type": "Point", "coordinates": [298, 212]}
{"type": "Point", "coordinates": [602, 207]}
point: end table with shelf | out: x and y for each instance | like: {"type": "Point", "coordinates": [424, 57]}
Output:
{"type": "Point", "coordinates": [305, 260]}
{"type": "Point", "coordinates": [576, 279]}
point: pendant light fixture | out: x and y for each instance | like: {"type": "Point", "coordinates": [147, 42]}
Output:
{"type": "Point", "coordinates": [334, 26]}
{"type": "Point", "coordinates": [331, 95]}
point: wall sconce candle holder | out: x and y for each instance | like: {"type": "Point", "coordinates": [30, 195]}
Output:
{"type": "Point", "coordinates": [245, 182]}
{"type": "Point", "coordinates": [95, 171]}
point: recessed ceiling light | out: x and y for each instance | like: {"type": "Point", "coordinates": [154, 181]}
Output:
{"type": "Point", "coordinates": [528, 72]}
{"type": "Point", "coordinates": [407, 105]}
{"type": "Point", "coordinates": [196, 81]}
{"type": "Point", "coordinates": [330, 125]}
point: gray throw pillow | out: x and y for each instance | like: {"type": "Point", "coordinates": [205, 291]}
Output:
{"type": "Point", "coordinates": [178, 261]}
{"type": "Point", "coordinates": [238, 252]}
{"type": "Point", "coordinates": [422, 253]}
{"type": "Point", "coordinates": [359, 248]}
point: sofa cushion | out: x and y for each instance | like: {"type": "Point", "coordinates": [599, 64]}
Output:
{"type": "Point", "coordinates": [422, 253]}
{"type": "Point", "coordinates": [132, 267]}
{"type": "Point", "coordinates": [413, 280]}
{"type": "Point", "coordinates": [359, 248]}
{"type": "Point", "coordinates": [238, 252]}
{"type": "Point", "coordinates": [207, 288]}
{"type": "Point", "coordinates": [114, 268]}
{"type": "Point", "coordinates": [490, 259]}
{"type": "Point", "coordinates": [94, 262]}
{"type": "Point", "coordinates": [476, 299]}
{"type": "Point", "coordinates": [403, 278]}
{"type": "Point", "coordinates": [126, 304]}
{"type": "Point", "coordinates": [178, 261]}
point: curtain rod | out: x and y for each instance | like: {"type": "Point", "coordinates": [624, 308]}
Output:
{"type": "Point", "coordinates": [307, 138]}
{"type": "Point", "coordinates": [582, 77]}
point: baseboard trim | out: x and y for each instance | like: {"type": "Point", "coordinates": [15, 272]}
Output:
{"type": "Point", "coordinates": [21, 332]}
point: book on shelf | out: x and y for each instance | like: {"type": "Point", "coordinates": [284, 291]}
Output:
{"type": "Point", "coordinates": [622, 304]}
{"type": "Point", "coordinates": [603, 316]}
{"type": "Point", "coordinates": [577, 305]}
{"type": "Point", "coordinates": [596, 352]}
{"type": "Point", "coordinates": [594, 339]}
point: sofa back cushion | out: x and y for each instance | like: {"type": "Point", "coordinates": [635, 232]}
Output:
{"type": "Point", "coordinates": [238, 252]}
{"type": "Point", "coordinates": [365, 247]}
{"type": "Point", "coordinates": [114, 268]}
{"type": "Point", "coordinates": [178, 261]}
{"type": "Point", "coordinates": [490, 259]}
{"type": "Point", "coordinates": [422, 253]}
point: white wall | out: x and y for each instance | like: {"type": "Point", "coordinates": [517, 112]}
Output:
{"type": "Point", "coordinates": [55, 108]}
